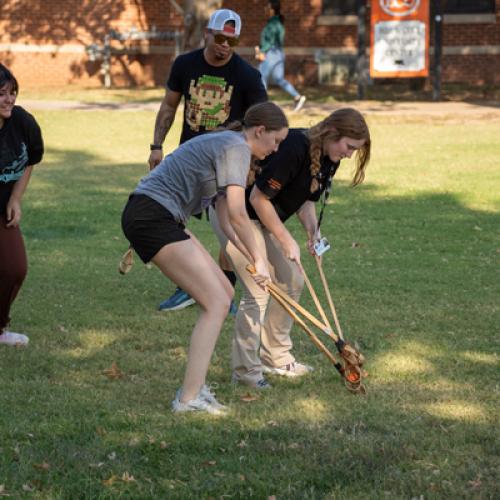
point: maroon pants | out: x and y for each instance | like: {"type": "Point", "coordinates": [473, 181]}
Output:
{"type": "Point", "coordinates": [13, 267]}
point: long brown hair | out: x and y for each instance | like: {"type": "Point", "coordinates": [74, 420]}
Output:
{"type": "Point", "coordinates": [344, 122]}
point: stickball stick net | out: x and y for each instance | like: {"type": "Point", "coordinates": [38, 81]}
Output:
{"type": "Point", "coordinates": [352, 360]}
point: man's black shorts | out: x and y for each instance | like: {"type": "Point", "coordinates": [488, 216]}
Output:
{"type": "Point", "coordinates": [149, 226]}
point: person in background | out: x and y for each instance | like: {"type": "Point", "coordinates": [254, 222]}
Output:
{"type": "Point", "coordinates": [292, 180]}
{"type": "Point", "coordinates": [21, 147]}
{"type": "Point", "coordinates": [198, 173]}
{"type": "Point", "coordinates": [218, 87]}
{"type": "Point", "coordinates": [271, 55]}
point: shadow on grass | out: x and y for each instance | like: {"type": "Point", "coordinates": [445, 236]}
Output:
{"type": "Point", "coordinates": [414, 278]}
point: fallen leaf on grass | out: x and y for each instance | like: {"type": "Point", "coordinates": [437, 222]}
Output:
{"type": "Point", "coordinates": [37, 484]}
{"type": "Point", "coordinates": [272, 423]}
{"type": "Point", "coordinates": [293, 446]}
{"type": "Point", "coordinates": [476, 484]}
{"type": "Point", "coordinates": [163, 445]}
{"type": "Point", "coordinates": [28, 487]}
{"type": "Point", "coordinates": [219, 474]}
{"type": "Point", "coordinates": [100, 431]}
{"type": "Point", "coordinates": [242, 444]}
{"type": "Point", "coordinates": [110, 480]}
{"type": "Point", "coordinates": [42, 466]}
{"type": "Point", "coordinates": [209, 463]}
{"type": "Point", "coordinates": [242, 477]}
{"type": "Point", "coordinates": [127, 478]}
{"type": "Point", "coordinates": [113, 373]}
{"type": "Point", "coordinates": [248, 398]}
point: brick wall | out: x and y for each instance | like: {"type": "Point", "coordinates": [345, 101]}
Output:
{"type": "Point", "coordinates": [44, 42]}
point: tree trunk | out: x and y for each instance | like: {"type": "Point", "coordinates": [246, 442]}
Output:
{"type": "Point", "coordinates": [196, 15]}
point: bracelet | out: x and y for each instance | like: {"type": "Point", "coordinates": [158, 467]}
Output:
{"type": "Point", "coordinates": [155, 147]}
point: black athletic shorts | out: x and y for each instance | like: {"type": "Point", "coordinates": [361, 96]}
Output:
{"type": "Point", "coordinates": [149, 226]}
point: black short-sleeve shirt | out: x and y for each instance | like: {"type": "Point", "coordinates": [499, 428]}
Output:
{"type": "Point", "coordinates": [286, 176]}
{"type": "Point", "coordinates": [21, 145]}
{"type": "Point", "coordinates": [214, 95]}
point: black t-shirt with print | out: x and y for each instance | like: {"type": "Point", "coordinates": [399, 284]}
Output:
{"type": "Point", "coordinates": [21, 145]}
{"type": "Point", "coordinates": [286, 176]}
{"type": "Point", "coordinates": [214, 95]}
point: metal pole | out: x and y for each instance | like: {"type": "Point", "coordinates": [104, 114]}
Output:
{"type": "Point", "coordinates": [438, 49]}
{"type": "Point", "coordinates": [361, 57]}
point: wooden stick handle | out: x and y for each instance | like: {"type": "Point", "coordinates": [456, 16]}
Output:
{"type": "Point", "coordinates": [314, 296]}
{"type": "Point", "coordinates": [329, 297]}
{"type": "Point", "coordinates": [301, 323]}
{"type": "Point", "coordinates": [294, 304]}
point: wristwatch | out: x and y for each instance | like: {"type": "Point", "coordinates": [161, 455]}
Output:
{"type": "Point", "coordinates": [155, 147]}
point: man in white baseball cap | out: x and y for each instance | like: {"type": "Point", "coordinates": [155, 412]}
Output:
{"type": "Point", "coordinates": [218, 87]}
{"type": "Point", "coordinates": [219, 19]}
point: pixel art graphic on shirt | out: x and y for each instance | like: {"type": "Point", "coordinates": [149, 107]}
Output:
{"type": "Point", "coordinates": [208, 105]}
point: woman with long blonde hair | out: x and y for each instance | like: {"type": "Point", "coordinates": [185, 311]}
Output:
{"type": "Point", "coordinates": [290, 182]}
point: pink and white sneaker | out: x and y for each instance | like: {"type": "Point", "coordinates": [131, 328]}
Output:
{"type": "Point", "coordinates": [12, 338]}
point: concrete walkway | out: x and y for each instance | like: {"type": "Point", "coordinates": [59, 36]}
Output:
{"type": "Point", "coordinates": [450, 109]}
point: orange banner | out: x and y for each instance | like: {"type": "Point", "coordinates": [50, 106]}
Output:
{"type": "Point", "coordinates": [399, 38]}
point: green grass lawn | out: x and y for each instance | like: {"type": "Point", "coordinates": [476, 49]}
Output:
{"type": "Point", "coordinates": [413, 272]}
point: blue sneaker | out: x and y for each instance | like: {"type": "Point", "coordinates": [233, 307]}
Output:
{"type": "Point", "coordinates": [179, 300]}
{"type": "Point", "coordinates": [233, 308]}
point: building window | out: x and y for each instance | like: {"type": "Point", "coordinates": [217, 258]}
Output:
{"type": "Point", "coordinates": [339, 7]}
{"type": "Point", "coordinates": [469, 6]}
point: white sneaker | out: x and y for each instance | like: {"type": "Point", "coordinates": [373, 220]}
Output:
{"type": "Point", "coordinates": [11, 338]}
{"type": "Point", "coordinates": [294, 369]}
{"type": "Point", "coordinates": [198, 404]}
{"type": "Point", "coordinates": [299, 103]}
{"type": "Point", "coordinates": [209, 396]}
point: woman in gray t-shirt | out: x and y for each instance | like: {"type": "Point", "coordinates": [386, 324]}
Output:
{"type": "Point", "coordinates": [183, 184]}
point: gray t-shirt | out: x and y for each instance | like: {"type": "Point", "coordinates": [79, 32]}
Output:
{"type": "Point", "coordinates": [189, 178]}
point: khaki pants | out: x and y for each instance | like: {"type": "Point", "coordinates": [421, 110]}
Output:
{"type": "Point", "coordinates": [262, 333]}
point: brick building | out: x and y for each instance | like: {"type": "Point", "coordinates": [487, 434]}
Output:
{"type": "Point", "coordinates": [46, 42]}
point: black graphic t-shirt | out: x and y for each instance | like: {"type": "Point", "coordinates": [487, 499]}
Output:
{"type": "Point", "coordinates": [286, 176]}
{"type": "Point", "coordinates": [214, 95]}
{"type": "Point", "coordinates": [21, 145]}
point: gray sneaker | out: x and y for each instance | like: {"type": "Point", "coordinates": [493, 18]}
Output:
{"type": "Point", "coordinates": [294, 369]}
{"type": "Point", "coordinates": [198, 404]}
{"type": "Point", "coordinates": [209, 396]}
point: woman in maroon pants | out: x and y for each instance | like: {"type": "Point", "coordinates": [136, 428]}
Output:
{"type": "Point", "coordinates": [21, 147]}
